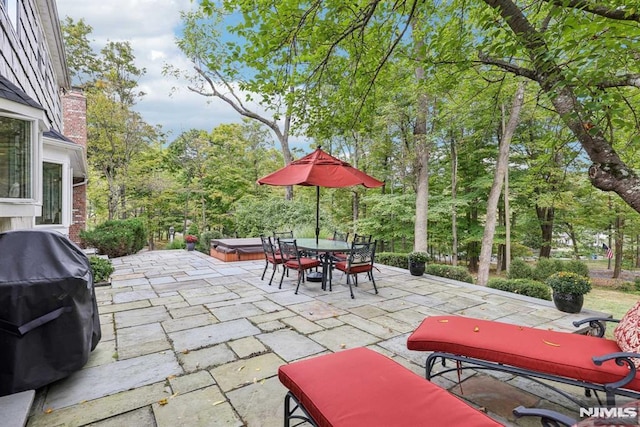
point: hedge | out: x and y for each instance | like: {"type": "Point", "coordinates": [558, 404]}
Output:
{"type": "Point", "coordinates": [116, 238]}
{"type": "Point", "coordinates": [526, 287]}
{"type": "Point", "coordinates": [450, 272]}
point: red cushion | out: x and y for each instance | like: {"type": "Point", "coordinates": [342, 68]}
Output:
{"type": "Point", "coordinates": [356, 268]}
{"type": "Point", "coordinates": [275, 259]}
{"type": "Point", "coordinates": [362, 388]}
{"type": "Point", "coordinates": [306, 263]}
{"type": "Point", "coordinates": [558, 353]}
{"type": "Point", "coordinates": [627, 332]}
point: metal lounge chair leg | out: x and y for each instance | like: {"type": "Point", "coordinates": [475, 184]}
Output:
{"type": "Point", "coordinates": [272, 274]}
{"type": "Point", "coordinates": [282, 277]}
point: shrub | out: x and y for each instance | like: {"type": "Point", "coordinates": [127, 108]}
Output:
{"type": "Point", "coordinates": [116, 238]}
{"type": "Point", "coordinates": [528, 287]}
{"type": "Point", "coordinates": [576, 266]}
{"type": "Point", "coordinates": [520, 269]}
{"type": "Point", "coordinates": [565, 282]}
{"type": "Point", "coordinates": [450, 272]}
{"type": "Point", "coordinates": [545, 267]}
{"type": "Point", "coordinates": [101, 268]}
{"type": "Point", "coordinates": [176, 244]}
{"type": "Point", "coordinates": [204, 243]}
{"type": "Point", "coordinates": [418, 257]}
{"type": "Point", "coordinates": [393, 259]}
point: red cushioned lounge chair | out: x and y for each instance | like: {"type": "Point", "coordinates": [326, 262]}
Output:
{"type": "Point", "coordinates": [362, 388]}
{"type": "Point", "coordinates": [591, 362]}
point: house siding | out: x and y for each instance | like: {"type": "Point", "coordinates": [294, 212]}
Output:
{"type": "Point", "coordinates": [32, 58]}
{"type": "Point", "coordinates": [25, 60]}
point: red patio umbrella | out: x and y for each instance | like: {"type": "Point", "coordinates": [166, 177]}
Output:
{"type": "Point", "coordinates": [320, 169]}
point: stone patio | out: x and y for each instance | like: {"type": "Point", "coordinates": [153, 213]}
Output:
{"type": "Point", "coordinates": [189, 340]}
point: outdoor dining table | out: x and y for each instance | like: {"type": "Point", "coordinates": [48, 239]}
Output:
{"type": "Point", "coordinates": [324, 247]}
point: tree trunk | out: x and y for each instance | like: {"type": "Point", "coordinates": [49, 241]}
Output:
{"type": "Point", "coordinates": [454, 209]}
{"type": "Point", "coordinates": [546, 217]}
{"type": "Point", "coordinates": [608, 172]}
{"type": "Point", "coordinates": [617, 266]}
{"type": "Point", "coordinates": [496, 187]}
{"type": "Point", "coordinates": [422, 160]}
{"type": "Point", "coordinates": [574, 240]}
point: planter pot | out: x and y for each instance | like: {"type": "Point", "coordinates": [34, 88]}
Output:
{"type": "Point", "coordinates": [191, 246]}
{"type": "Point", "coordinates": [568, 303]}
{"type": "Point", "coordinates": [416, 268]}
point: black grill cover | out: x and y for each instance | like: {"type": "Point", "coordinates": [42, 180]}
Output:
{"type": "Point", "coordinates": [48, 312]}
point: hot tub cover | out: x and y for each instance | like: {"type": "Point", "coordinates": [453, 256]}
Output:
{"type": "Point", "coordinates": [48, 312]}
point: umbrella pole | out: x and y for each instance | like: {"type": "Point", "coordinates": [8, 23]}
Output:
{"type": "Point", "coordinates": [317, 213]}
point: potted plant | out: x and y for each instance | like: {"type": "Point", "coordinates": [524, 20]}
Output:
{"type": "Point", "coordinates": [191, 241]}
{"type": "Point", "coordinates": [568, 290]}
{"type": "Point", "coordinates": [417, 261]}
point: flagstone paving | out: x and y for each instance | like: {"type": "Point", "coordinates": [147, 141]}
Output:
{"type": "Point", "coordinates": [188, 340]}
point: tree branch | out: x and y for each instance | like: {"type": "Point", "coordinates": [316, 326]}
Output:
{"type": "Point", "coordinates": [618, 13]}
{"type": "Point", "coordinates": [507, 66]}
{"type": "Point", "coordinates": [620, 81]}
{"type": "Point", "coordinates": [233, 101]}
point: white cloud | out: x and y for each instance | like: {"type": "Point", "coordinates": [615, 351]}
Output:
{"type": "Point", "coordinates": [150, 26]}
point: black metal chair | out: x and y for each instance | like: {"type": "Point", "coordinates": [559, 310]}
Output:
{"type": "Point", "coordinates": [360, 238]}
{"type": "Point", "coordinates": [339, 256]}
{"type": "Point", "coordinates": [360, 260]}
{"type": "Point", "coordinates": [270, 256]}
{"type": "Point", "coordinates": [292, 260]}
{"type": "Point", "coordinates": [282, 235]}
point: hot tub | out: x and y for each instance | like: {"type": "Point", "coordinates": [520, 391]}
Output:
{"type": "Point", "coordinates": [229, 250]}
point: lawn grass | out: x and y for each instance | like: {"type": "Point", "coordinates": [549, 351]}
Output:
{"type": "Point", "coordinates": [610, 301]}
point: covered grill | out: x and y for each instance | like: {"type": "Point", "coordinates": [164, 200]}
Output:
{"type": "Point", "coordinates": [48, 312]}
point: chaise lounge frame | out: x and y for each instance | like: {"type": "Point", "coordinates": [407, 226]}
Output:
{"type": "Point", "coordinates": [464, 350]}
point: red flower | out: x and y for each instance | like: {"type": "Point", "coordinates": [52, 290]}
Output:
{"type": "Point", "coordinates": [190, 238]}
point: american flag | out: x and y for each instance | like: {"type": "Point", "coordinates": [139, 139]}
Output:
{"type": "Point", "coordinates": [608, 249]}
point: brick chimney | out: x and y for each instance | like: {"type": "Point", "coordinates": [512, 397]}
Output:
{"type": "Point", "coordinates": [74, 121]}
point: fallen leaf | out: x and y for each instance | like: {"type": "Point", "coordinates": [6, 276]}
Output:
{"type": "Point", "coordinates": [163, 402]}
{"type": "Point", "coordinates": [443, 321]}
{"type": "Point", "coordinates": [185, 351]}
{"type": "Point", "coordinates": [170, 377]}
{"type": "Point", "coordinates": [551, 344]}
{"type": "Point", "coordinates": [48, 411]}
{"type": "Point", "coordinates": [343, 345]}
{"type": "Point", "coordinates": [218, 402]}
{"type": "Point", "coordinates": [476, 329]}
{"type": "Point", "coordinates": [240, 368]}
{"type": "Point", "coordinates": [257, 369]}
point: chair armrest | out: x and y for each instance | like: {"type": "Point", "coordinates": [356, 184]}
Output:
{"type": "Point", "coordinates": [547, 417]}
{"type": "Point", "coordinates": [596, 323]}
{"type": "Point", "coordinates": [621, 359]}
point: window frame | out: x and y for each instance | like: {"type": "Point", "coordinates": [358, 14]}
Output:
{"type": "Point", "coordinates": [33, 161]}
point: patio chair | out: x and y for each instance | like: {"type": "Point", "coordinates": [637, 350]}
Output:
{"type": "Point", "coordinates": [360, 387]}
{"type": "Point", "coordinates": [591, 362]}
{"type": "Point", "coordinates": [339, 256]}
{"type": "Point", "coordinates": [293, 260]}
{"type": "Point", "coordinates": [282, 235]}
{"type": "Point", "coordinates": [361, 238]}
{"type": "Point", "coordinates": [360, 260]}
{"type": "Point", "coordinates": [270, 257]}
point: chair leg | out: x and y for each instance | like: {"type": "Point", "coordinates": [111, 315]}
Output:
{"type": "Point", "coordinates": [374, 282]}
{"type": "Point", "coordinates": [284, 269]}
{"type": "Point", "coordinates": [265, 269]}
{"type": "Point", "coordinates": [349, 283]}
{"type": "Point", "coordinates": [300, 276]}
{"type": "Point", "coordinates": [275, 266]}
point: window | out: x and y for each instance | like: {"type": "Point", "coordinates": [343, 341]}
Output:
{"type": "Point", "coordinates": [51, 194]}
{"type": "Point", "coordinates": [11, 9]}
{"type": "Point", "coordinates": [15, 158]}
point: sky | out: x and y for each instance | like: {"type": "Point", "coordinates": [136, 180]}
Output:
{"type": "Point", "coordinates": [150, 27]}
